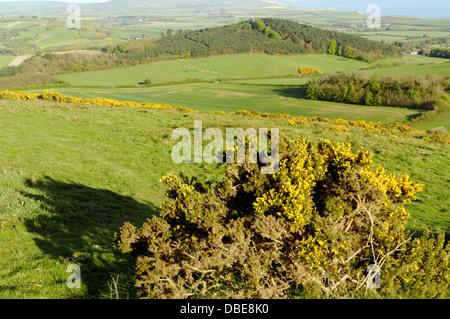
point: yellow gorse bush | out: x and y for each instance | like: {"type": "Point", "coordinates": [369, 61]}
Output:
{"type": "Point", "coordinates": [308, 71]}
{"type": "Point", "coordinates": [321, 219]}
{"type": "Point", "coordinates": [296, 180]}
{"type": "Point", "coordinates": [336, 129]}
{"type": "Point", "coordinates": [57, 97]}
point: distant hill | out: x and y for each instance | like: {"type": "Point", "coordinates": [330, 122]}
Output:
{"type": "Point", "coordinates": [31, 7]}
{"type": "Point", "coordinates": [268, 35]}
{"type": "Point", "coordinates": [204, 4]}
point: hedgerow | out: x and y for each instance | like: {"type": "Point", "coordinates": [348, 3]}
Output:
{"type": "Point", "coordinates": [420, 92]}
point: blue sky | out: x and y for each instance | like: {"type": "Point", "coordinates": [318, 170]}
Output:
{"type": "Point", "coordinates": [418, 8]}
{"type": "Point", "coordinates": [70, 1]}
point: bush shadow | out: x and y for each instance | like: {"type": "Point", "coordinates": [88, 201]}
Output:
{"type": "Point", "coordinates": [297, 92]}
{"type": "Point", "coordinates": [79, 226]}
{"type": "Point", "coordinates": [411, 117]}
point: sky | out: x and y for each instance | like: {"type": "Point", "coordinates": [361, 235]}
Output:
{"type": "Point", "coordinates": [70, 1]}
{"type": "Point", "coordinates": [417, 8]}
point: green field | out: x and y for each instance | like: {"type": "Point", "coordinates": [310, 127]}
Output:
{"type": "Point", "coordinates": [244, 67]}
{"type": "Point", "coordinates": [5, 60]}
{"type": "Point", "coordinates": [442, 120]}
{"type": "Point", "coordinates": [405, 35]}
{"type": "Point", "coordinates": [230, 97]}
{"type": "Point", "coordinates": [442, 69]}
{"type": "Point", "coordinates": [71, 175]}
{"type": "Point", "coordinates": [218, 67]}
{"type": "Point", "coordinates": [262, 82]}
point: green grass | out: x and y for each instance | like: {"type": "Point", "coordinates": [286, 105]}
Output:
{"type": "Point", "coordinates": [71, 175]}
{"type": "Point", "coordinates": [230, 97]}
{"type": "Point", "coordinates": [405, 35]}
{"type": "Point", "coordinates": [5, 60]}
{"type": "Point", "coordinates": [282, 81]}
{"type": "Point", "coordinates": [61, 37]}
{"type": "Point", "coordinates": [263, 82]}
{"type": "Point", "coordinates": [410, 60]}
{"type": "Point", "coordinates": [218, 67]}
{"type": "Point", "coordinates": [234, 67]}
{"type": "Point", "coordinates": [442, 69]}
{"type": "Point", "coordinates": [441, 120]}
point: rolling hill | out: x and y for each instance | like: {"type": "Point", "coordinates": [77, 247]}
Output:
{"type": "Point", "coordinates": [268, 35]}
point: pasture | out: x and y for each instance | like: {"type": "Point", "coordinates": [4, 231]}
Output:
{"type": "Point", "coordinates": [243, 67]}
{"type": "Point", "coordinates": [217, 67]}
{"type": "Point", "coordinates": [245, 81]}
{"type": "Point", "coordinates": [5, 60]}
{"type": "Point", "coordinates": [229, 97]}
{"type": "Point", "coordinates": [72, 174]}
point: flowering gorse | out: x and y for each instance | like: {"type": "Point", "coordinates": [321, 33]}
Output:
{"type": "Point", "coordinates": [320, 221]}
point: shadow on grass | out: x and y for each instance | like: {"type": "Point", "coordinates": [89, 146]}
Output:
{"type": "Point", "coordinates": [297, 92]}
{"type": "Point", "coordinates": [411, 117]}
{"type": "Point", "coordinates": [79, 229]}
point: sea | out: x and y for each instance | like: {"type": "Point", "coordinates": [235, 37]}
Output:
{"type": "Point", "coordinates": [415, 8]}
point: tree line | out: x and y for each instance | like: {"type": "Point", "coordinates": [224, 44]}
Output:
{"type": "Point", "coordinates": [421, 92]}
{"type": "Point", "coordinates": [440, 53]}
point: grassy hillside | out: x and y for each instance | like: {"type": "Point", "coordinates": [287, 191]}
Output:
{"type": "Point", "coordinates": [218, 67]}
{"type": "Point", "coordinates": [230, 97]}
{"type": "Point", "coordinates": [441, 120]}
{"type": "Point", "coordinates": [439, 68]}
{"type": "Point", "coordinates": [71, 174]}
{"type": "Point", "coordinates": [264, 82]}
{"type": "Point", "coordinates": [233, 67]}
{"type": "Point", "coordinates": [249, 66]}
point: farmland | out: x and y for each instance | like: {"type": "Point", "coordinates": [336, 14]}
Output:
{"type": "Point", "coordinates": [232, 97]}
{"type": "Point", "coordinates": [263, 82]}
{"type": "Point", "coordinates": [248, 66]}
{"type": "Point", "coordinates": [221, 67]}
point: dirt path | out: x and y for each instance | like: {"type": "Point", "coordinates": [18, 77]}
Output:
{"type": "Point", "coordinates": [19, 60]}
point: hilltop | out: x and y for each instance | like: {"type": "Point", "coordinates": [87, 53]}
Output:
{"type": "Point", "coordinates": [267, 35]}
